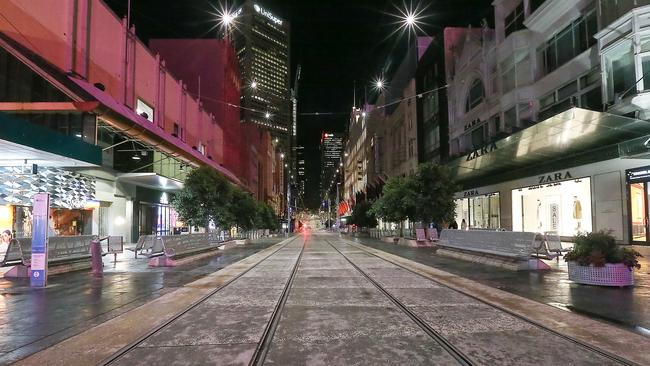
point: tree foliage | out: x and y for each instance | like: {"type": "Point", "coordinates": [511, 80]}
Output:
{"type": "Point", "coordinates": [266, 217]}
{"type": "Point", "coordinates": [434, 189]}
{"type": "Point", "coordinates": [205, 197]}
{"type": "Point", "coordinates": [243, 209]}
{"type": "Point", "coordinates": [398, 201]}
{"type": "Point", "coordinates": [208, 197]}
{"type": "Point", "coordinates": [362, 216]}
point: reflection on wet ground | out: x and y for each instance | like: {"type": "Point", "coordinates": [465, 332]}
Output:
{"type": "Point", "coordinates": [33, 319]}
{"type": "Point", "coordinates": [625, 307]}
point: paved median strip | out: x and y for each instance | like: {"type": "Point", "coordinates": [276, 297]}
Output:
{"type": "Point", "coordinates": [96, 344]}
{"type": "Point", "coordinates": [608, 338]}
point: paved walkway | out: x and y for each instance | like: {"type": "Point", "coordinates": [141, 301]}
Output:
{"type": "Point", "coordinates": [625, 307]}
{"type": "Point", "coordinates": [319, 300]}
{"type": "Point", "coordinates": [31, 320]}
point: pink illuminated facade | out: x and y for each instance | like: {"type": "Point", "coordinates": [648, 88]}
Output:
{"type": "Point", "coordinates": [141, 106]}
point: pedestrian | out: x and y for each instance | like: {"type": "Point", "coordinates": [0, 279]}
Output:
{"type": "Point", "coordinates": [463, 225]}
{"type": "Point", "coordinates": [453, 225]}
{"type": "Point", "coordinates": [5, 239]}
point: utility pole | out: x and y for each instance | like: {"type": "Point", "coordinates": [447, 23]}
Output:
{"type": "Point", "coordinates": [338, 213]}
{"type": "Point", "coordinates": [288, 207]}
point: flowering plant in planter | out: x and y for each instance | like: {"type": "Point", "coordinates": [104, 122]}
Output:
{"type": "Point", "coordinates": [599, 248]}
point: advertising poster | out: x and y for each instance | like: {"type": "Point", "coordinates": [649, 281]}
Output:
{"type": "Point", "coordinates": [38, 277]}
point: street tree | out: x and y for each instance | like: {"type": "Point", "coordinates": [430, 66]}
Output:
{"type": "Point", "coordinates": [243, 209]}
{"type": "Point", "coordinates": [266, 218]}
{"type": "Point", "coordinates": [205, 198]}
{"type": "Point", "coordinates": [397, 203]}
{"type": "Point", "coordinates": [362, 216]}
{"type": "Point", "coordinates": [434, 189]}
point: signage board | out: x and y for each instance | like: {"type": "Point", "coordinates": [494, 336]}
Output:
{"type": "Point", "coordinates": [638, 175]}
{"type": "Point", "coordinates": [40, 215]}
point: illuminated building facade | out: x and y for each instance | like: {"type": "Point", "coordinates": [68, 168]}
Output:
{"type": "Point", "coordinates": [262, 44]}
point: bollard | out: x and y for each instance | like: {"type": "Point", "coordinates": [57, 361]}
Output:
{"type": "Point", "coordinates": [96, 258]}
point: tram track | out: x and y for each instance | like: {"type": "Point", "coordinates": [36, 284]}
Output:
{"type": "Point", "coordinates": [264, 345]}
{"type": "Point", "coordinates": [457, 354]}
{"type": "Point", "coordinates": [601, 352]}
{"type": "Point", "coordinates": [131, 346]}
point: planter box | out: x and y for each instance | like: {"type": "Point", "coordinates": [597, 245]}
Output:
{"type": "Point", "coordinates": [610, 275]}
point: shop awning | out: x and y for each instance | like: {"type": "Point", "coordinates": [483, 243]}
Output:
{"type": "Point", "coordinates": [567, 137]}
{"type": "Point", "coordinates": [151, 180]}
{"type": "Point", "coordinates": [21, 140]}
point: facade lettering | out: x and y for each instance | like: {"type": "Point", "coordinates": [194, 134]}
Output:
{"type": "Point", "coordinates": [482, 151]}
{"type": "Point", "coordinates": [554, 177]}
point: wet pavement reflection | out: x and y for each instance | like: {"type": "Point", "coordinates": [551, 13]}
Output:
{"type": "Point", "coordinates": [33, 319]}
{"type": "Point", "coordinates": [625, 307]}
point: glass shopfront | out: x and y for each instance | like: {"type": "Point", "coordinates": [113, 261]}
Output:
{"type": "Point", "coordinates": [559, 206]}
{"type": "Point", "coordinates": [638, 187]}
{"type": "Point", "coordinates": [479, 212]}
{"type": "Point", "coordinates": [62, 221]}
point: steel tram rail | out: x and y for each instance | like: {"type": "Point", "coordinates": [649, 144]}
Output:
{"type": "Point", "coordinates": [457, 354]}
{"type": "Point", "coordinates": [587, 346]}
{"type": "Point", "coordinates": [121, 352]}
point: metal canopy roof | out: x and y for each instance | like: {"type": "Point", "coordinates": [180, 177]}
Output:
{"type": "Point", "coordinates": [567, 134]}
{"type": "Point", "coordinates": [151, 180]}
{"type": "Point", "coordinates": [21, 140]}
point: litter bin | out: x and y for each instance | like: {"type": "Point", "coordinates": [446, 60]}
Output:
{"type": "Point", "coordinates": [96, 258]}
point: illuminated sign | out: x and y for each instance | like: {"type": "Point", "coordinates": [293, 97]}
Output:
{"type": "Point", "coordinates": [267, 14]}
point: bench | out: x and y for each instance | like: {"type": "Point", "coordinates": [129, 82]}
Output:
{"type": "Point", "coordinates": [14, 254]}
{"type": "Point", "coordinates": [114, 245]}
{"type": "Point", "coordinates": [554, 244]}
{"type": "Point", "coordinates": [60, 249]}
{"type": "Point", "coordinates": [174, 247]}
{"type": "Point", "coordinates": [145, 243]}
{"type": "Point", "coordinates": [515, 249]}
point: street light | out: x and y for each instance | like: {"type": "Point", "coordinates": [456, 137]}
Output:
{"type": "Point", "coordinates": [254, 85]}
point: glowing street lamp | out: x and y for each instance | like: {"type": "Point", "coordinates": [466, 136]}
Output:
{"type": "Point", "coordinates": [254, 85]}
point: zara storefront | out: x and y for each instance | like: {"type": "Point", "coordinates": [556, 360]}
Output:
{"type": "Point", "coordinates": [554, 178]}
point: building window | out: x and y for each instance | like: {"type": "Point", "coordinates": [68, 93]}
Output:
{"type": "Point", "coordinates": [201, 149]}
{"type": "Point", "coordinates": [571, 41]}
{"type": "Point", "coordinates": [535, 4]}
{"type": "Point", "coordinates": [515, 20]}
{"type": "Point", "coordinates": [510, 120]}
{"type": "Point", "coordinates": [145, 110]}
{"type": "Point", "coordinates": [515, 71]}
{"type": "Point", "coordinates": [584, 92]}
{"type": "Point", "coordinates": [176, 131]}
{"type": "Point", "coordinates": [475, 96]}
{"type": "Point", "coordinates": [619, 69]}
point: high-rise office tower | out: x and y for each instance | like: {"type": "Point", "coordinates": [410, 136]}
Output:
{"type": "Point", "coordinates": [331, 151]}
{"type": "Point", "coordinates": [262, 43]}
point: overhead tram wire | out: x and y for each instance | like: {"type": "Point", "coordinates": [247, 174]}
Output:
{"type": "Point", "coordinates": [396, 101]}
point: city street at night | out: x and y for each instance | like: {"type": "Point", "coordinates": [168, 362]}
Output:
{"type": "Point", "coordinates": [324, 182]}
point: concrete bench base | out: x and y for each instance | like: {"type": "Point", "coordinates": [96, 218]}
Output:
{"type": "Point", "coordinates": [512, 264]}
{"type": "Point", "coordinates": [164, 261]}
{"type": "Point", "coordinates": [415, 243]}
{"type": "Point", "coordinates": [389, 239]}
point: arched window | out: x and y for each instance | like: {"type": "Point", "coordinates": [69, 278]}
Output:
{"type": "Point", "coordinates": [476, 95]}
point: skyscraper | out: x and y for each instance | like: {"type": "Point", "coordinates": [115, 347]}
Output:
{"type": "Point", "coordinates": [331, 150]}
{"type": "Point", "coordinates": [262, 43]}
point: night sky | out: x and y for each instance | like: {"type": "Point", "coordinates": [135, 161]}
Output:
{"type": "Point", "coordinates": [335, 41]}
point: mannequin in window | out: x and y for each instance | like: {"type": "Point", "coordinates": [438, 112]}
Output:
{"type": "Point", "coordinates": [577, 212]}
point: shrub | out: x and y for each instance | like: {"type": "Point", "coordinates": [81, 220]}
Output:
{"type": "Point", "coordinates": [598, 248]}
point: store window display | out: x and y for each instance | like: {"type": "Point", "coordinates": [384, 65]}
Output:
{"type": "Point", "coordinates": [480, 212]}
{"type": "Point", "coordinates": [562, 207]}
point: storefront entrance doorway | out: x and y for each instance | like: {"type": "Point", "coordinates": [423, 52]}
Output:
{"type": "Point", "coordinates": [639, 212]}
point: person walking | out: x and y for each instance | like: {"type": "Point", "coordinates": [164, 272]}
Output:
{"type": "Point", "coordinates": [453, 225]}
{"type": "Point", "coordinates": [463, 225]}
